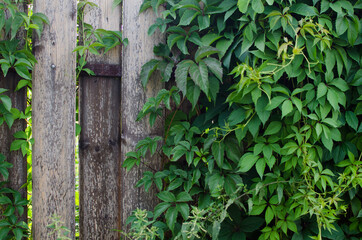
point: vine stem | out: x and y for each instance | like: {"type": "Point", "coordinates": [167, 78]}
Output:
{"type": "Point", "coordinates": [173, 117]}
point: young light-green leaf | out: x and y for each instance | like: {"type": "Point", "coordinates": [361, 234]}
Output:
{"type": "Point", "coordinates": [287, 107]}
{"type": "Point", "coordinates": [243, 5]}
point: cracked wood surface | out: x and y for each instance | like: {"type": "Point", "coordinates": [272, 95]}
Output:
{"type": "Point", "coordinates": [54, 118]}
{"type": "Point", "coordinates": [99, 151]}
{"type": "Point", "coordinates": [137, 53]}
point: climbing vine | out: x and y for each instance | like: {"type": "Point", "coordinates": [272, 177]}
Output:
{"type": "Point", "coordinates": [270, 144]}
{"type": "Point", "coordinates": [17, 28]}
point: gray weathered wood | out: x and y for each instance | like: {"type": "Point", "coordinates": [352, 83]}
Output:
{"type": "Point", "coordinates": [138, 52]}
{"type": "Point", "coordinates": [17, 174]}
{"type": "Point", "coordinates": [99, 150]}
{"type": "Point", "coordinates": [100, 137]}
{"type": "Point", "coordinates": [54, 118]}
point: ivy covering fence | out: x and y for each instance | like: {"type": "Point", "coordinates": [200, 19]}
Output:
{"type": "Point", "coordinates": [255, 106]}
{"type": "Point", "coordinates": [263, 121]}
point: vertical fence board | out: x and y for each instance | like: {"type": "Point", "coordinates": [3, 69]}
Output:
{"type": "Point", "coordinates": [54, 118]}
{"type": "Point", "coordinates": [138, 52]}
{"type": "Point", "coordinates": [17, 174]}
{"type": "Point", "coordinates": [99, 158]}
{"type": "Point", "coordinates": [100, 137]}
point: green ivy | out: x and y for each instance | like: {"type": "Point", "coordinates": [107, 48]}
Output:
{"type": "Point", "coordinates": [270, 146]}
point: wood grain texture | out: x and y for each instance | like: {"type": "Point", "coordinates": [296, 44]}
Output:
{"type": "Point", "coordinates": [99, 158]}
{"type": "Point", "coordinates": [54, 118]}
{"type": "Point", "coordinates": [17, 174]}
{"type": "Point", "coordinates": [138, 52]}
{"type": "Point", "coordinates": [99, 151]}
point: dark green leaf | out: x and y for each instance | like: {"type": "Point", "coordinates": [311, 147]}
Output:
{"type": "Point", "coordinates": [303, 9]}
{"type": "Point", "coordinates": [6, 102]}
{"type": "Point", "coordinates": [160, 208]}
{"type": "Point", "coordinates": [218, 149]}
{"type": "Point", "coordinates": [171, 216]}
{"type": "Point", "coordinates": [199, 74]}
{"type": "Point", "coordinates": [166, 196]}
{"type": "Point", "coordinates": [181, 75]}
{"type": "Point", "coordinates": [147, 70]}
{"type": "Point", "coordinates": [247, 161]}
{"type": "Point", "coordinates": [273, 128]}
{"type": "Point", "coordinates": [251, 224]}
{"type": "Point", "coordinates": [352, 120]}
{"type": "Point", "coordinates": [205, 51]}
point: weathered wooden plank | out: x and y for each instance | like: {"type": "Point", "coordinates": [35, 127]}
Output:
{"type": "Point", "coordinates": [138, 52]}
{"type": "Point", "coordinates": [100, 137]}
{"type": "Point", "coordinates": [54, 118]}
{"type": "Point", "coordinates": [17, 174]}
{"type": "Point", "coordinates": [99, 150]}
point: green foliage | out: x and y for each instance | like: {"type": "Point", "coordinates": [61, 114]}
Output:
{"type": "Point", "coordinates": [93, 41]}
{"type": "Point", "coordinates": [58, 230]}
{"type": "Point", "coordinates": [271, 145]}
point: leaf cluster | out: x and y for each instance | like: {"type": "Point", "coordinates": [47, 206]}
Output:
{"type": "Point", "coordinates": [273, 132]}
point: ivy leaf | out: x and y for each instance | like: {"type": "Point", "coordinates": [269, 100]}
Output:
{"type": "Point", "coordinates": [247, 161]}
{"type": "Point", "coordinates": [353, 31]}
{"type": "Point", "coordinates": [205, 51]}
{"type": "Point", "coordinates": [214, 66]}
{"type": "Point", "coordinates": [160, 208]}
{"type": "Point", "coordinates": [16, 24]}
{"type": "Point", "coordinates": [215, 181]}
{"type": "Point", "coordinates": [260, 167]}
{"type": "Point", "coordinates": [184, 209]}
{"type": "Point", "coordinates": [181, 74]}
{"type": "Point", "coordinates": [193, 93]}
{"type": "Point", "coordinates": [330, 60]}
{"type": "Point", "coordinates": [183, 197]}
{"type": "Point", "coordinates": [23, 72]}
{"type": "Point", "coordinates": [199, 74]}
{"type": "Point", "coordinates": [204, 22]}
{"type": "Point", "coordinates": [322, 90]}
{"type": "Point", "coordinates": [332, 98]}
{"type": "Point", "coordinates": [260, 109]}
{"type": "Point", "coordinates": [257, 6]}
{"type": "Point", "coordinates": [236, 116]}
{"type": "Point", "coordinates": [287, 107]}
{"type": "Point", "coordinates": [147, 70]}
{"type": "Point", "coordinates": [352, 120]}
{"type": "Point", "coordinates": [218, 149]}
{"type": "Point", "coordinates": [6, 102]}
{"type": "Point", "coordinates": [269, 215]}
{"type": "Point", "coordinates": [167, 196]}
{"type": "Point", "coordinates": [260, 42]}
{"type": "Point", "coordinates": [273, 128]}
{"type": "Point", "coordinates": [303, 9]}
{"type": "Point", "coordinates": [187, 17]}
{"type": "Point", "coordinates": [243, 5]}
{"type": "Point", "coordinates": [171, 216]}
{"type": "Point", "coordinates": [341, 25]}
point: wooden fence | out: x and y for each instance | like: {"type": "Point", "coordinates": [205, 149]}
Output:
{"type": "Point", "coordinates": [108, 106]}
